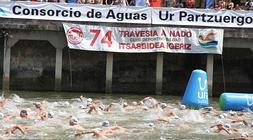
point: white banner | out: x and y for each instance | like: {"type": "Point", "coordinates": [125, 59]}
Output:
{"type": "Point", "coordinates": [202, 17]}
{"type": "Point", "coordinates": [75, 12]}
{"type": "Point", "coordinates": [143, 40]}
{"type": "Point", "coordinates": [123, 14]}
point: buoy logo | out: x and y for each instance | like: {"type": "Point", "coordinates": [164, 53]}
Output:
{"type": "Point", "coordinates": [249, 100]}
{"type": "Point", "coordinates": [202, 94]}
{"type": "Point", "coordinates": [207, 39]}
{"type": "Point", "coordinates": [75, 35]}
{"type": "Point", "coordinates": [203, 86]}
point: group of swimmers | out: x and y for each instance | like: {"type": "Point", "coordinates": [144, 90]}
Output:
{"type": "Point", "coordinates": [227, 123]}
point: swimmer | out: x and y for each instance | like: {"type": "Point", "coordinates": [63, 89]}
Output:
{"type": "Point", "coordinates": [23, 115]}
{"type": "Point", "coordinates": [91, 108]}
{"type": "Point", "coordinates": [210, 110]}
{"type": "Point", "coordinates": [237, 117]}
{"type": "Point", "coordinates": [2, 103]}
{"type": "Point", "coordinates": [167, 116]}
{"type": "Point", "coordinates": [107, 108]}
{"type": "Point", "coordinates": [41, 113]}
{"type": "Point", "coordinates": [226, 127]}
{"type": "Point", "coordinates": [150, 102]}
{"type": "Point", "coordinates": [132, 106]}
{"type": "Point", "coordinates": [73, 123]}
{"type": "Point", "coordinates": [104, 132]}
{"type": "Point", "coordinates": [91, 105]}
{"type": "Point", "coordinates": [22, 128]}
{"type": "Point", "coordinates": [95, 133]}
{"type": "Point", "coordinates": [13, 129]}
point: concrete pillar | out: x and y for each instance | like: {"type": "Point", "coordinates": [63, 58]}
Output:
{"type": "Point", "coordinates": [6, 66]}
{"type": "Point", "coordinates": [159, 73]}
{"type": "Point", "coordinates": [251, 49]}
{"type": "Point", "coordinates": [6, 61]}
{"type": "Point", "coordinates": [109, 71]}
{"type": "Point", "coordinates": [209, 69]}
{"type": "Point", "coordinates": [58, 69]}
{"type": "Point", "coordinates": [59, 42]}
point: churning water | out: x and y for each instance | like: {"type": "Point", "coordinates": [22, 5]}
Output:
{"type": "Point", "coordinates": [141, 124]}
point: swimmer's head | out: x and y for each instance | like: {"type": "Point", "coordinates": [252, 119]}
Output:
{"type": "Point", "coordinates": [221, 116]}
{"type": "Point", "coordinates": [50, 115]}
{"type": "Point", "coordinates": [105, 123]}
{"type": "Point", "coordinates": [73, 121]}
{"type": "Point", "coordinates": [125, 104]}
{"type": "Point", "coordinates": [219, 122]}
{"type": "Point", "coordinates": [145, 108]}
{"type": "Point", "coordinates": [89, 100]}
{"type": "Point", "coordinates": [182, 107]}
{"type": "Point", "coordinates": [244, 134]}
{"type": "Point", "coordinates": [134, 103]}
{"type": "Point", "coordinates": [82, 107]}
{"type": "Point", "coordinates": [141, 103]}
{"type": "Point", "coordinates": [163, 105]}
{"type": "Point", "coordinates": [176, 117]}
{"type": "Point", "coordinates": [102, 106]}
{"type": "Point", "coordinates": [227, 125]}
{"type": "Point", "coordinates": [37, 105]}
{"type": "Point", "coordinates": [225, 114]}
{"type": "Point", "coordinates": [43, 116]}
{"type": "Point", "coordinates": [23, 114]}
{"type": "Point", "coordinates": [1, 115]}
{"type": "Point", "coordinates": [232, 113]}
{"type": "Point", "coordinates": [151, 124]}
{"type": "Point", "coordinates": [210, 108]}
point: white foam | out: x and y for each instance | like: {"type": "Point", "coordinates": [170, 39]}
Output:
{"type": "Point", "coordinates": [193, 116]}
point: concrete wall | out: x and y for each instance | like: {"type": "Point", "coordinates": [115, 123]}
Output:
{"type": "Point", "coordinates": [134, 73]}
{"type": "Point", "coordinates": [83, 71]}
{"type": "Point", "coordinates": [32, 65]}
{"type": "Point", "coordinates": [33, 62]}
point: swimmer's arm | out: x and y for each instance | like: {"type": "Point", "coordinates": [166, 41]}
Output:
{"type": "Point", "coordinates": [216, 113]}
{"type": "Point", "coordinates": [108, 108]}
{"type": "Point", "coordinates": [245, 123]}
{"type": "Point", "coordinates": [94, 133]}
{"type": "Point", "coordinates": [9, 117]}
{"type": "Point", "coordinates": [226, 130]}
{"type": "Point", "coordinates": [96, 101]}
{"type": "Point", "coordinates": [240, 120]}
{"type": "Point", "coordinates": [233, 129]}
{"type": "Point", "coordinates": [162, 120]}
{"type": "Point", "coordinates": [17, 127]}
{"type": "Point", "coordinates": [100, 135]}
{"type": "Point", "coordinates": [83, 133]}
{"type": "Point", "coordinates": [78, 127]}
{"type": "Point", "coordinates": [91, 109]}
{"type": "Point", "coordinates": [204, 113]}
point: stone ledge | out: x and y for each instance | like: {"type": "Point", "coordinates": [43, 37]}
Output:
{"type": "Point", "coordinates": [27, 24]}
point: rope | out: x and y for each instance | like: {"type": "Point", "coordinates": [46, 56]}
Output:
{"type": "Point", "coordinates": [70, 68]}
{"type": "Point", "coordinates": [223, 74]}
